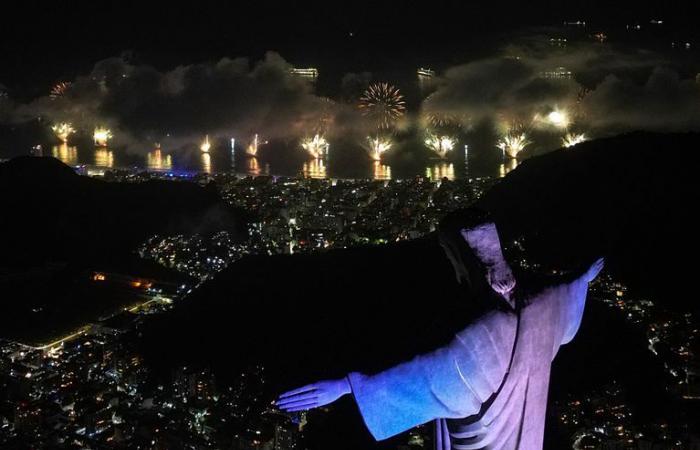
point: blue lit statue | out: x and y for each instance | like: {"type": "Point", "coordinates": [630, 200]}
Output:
{"type": "Point", "coordinates": [487, 389]}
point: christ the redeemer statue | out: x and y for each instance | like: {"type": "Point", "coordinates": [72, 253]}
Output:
{"type": "Point", "coordinates": [487, 389]}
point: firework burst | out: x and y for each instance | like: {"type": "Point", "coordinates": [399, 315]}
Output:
{"type": "Point", "coordinates": [63, 131]}
{"type": "Point", "coordinates": [441, 120]}
{"type": "Point", "coordinates": [383, 103]}
{"type": "Point", "coordinates": [377, 146]}
{"type": "Point", "coordinates": [317, 146]}
{"type": "Point", "coordinates": [252, 148]}
{"type": "Point", "coordinates": [513, 143]}
{"type": "Point", "coordinates": [101, 136]}
{"type": "Point", "coordinates": [59, 90]}
{"type": "Point", "coordinates": [206, 145]}
{"type": "Point", "coordinates": [559, 118]}
{"type": "Point", "coordinates": [571, 139]}
{"type": "Point", "coordinates": [441, 145]}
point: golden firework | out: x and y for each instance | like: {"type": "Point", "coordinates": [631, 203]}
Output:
{"type": "Point", "coordinates": [317, 146]}
{"type": "Point", "coordinates": [383, 103]}
{"type": "Point", "coordinates": [571, 139]}
{"type": "Point", "coordinates": [205, 146]}
{"type": "Point", "coordinates": [101, 136]}
{"type": "Point", "coordinates": [441, 145]}
{"type": "Point", "coordinates": [377, 147]}
{"type": "Point", "coordinates": [63, 131]}
{"type": "Point", "coordinates": [513, 143]}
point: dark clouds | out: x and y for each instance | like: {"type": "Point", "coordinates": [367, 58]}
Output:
{"type": "Point", "coordinates": [665, 102]}
{"type": "Point", "coordinates": [229, 97]}
{"type": "Point", "coordinates": [487, 88]}
{"type": "Point", "coordinates": [611, 90]}
{"type": "Point", "coordinates": [626, 89]}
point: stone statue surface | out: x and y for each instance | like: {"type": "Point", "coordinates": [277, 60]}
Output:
{"type": "Point", "coordinates": [486, 389]}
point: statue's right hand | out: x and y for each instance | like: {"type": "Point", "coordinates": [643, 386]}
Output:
{"type": "Point", "coordinates": [313, 395]}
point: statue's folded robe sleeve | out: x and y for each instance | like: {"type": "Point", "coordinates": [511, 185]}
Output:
{"type": "Point", "coordinates": [569, 300]}
{"type": "Point", "coordinates": [450, 382]}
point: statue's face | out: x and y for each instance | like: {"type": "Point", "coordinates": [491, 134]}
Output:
{"type": "Point", "coordinates": [484, 241]}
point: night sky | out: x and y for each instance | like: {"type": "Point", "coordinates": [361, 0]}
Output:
{"type": "Point", "coordinates": [43, 42]}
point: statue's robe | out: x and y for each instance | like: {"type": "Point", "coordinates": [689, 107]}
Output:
{"type": "Point", "coordinates": [488, 388]}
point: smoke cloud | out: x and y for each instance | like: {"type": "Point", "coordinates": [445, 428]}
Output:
{"type": "Point", "coordinates": [610, 90]}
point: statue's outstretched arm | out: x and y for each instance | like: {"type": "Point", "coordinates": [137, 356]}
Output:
{"type": "Point", "coordinates": [568, 294]}
{"type": "Point", "coordinates": [453, 381]}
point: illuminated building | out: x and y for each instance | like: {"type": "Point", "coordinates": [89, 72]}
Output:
{"type": "Point", "coordinates": [306, 73]}
{"type": "Point", "coordinates": [559, 73]}
{"type": "Point", "coordinates": [426, 79]}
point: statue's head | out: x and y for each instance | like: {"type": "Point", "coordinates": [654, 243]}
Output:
{"type": "Point", "coordinates": [470, 240]}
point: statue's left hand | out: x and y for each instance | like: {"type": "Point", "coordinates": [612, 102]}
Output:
{"type": "Point", "coordinates": [594, 269]}
{"type": "Point", "coordinates": [313, 395]}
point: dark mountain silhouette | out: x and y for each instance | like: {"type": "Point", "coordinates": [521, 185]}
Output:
{"type": "Point", "coordinates": [631, 198]}
{"type": "Point", "coordinates": [50, 213]}
{"type": "Point", "coordinates": [58, 226]}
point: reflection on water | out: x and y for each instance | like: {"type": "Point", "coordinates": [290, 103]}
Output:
{"type": "Point", "coordinates": [155, 160]}
{"type": "Point", "coordinates": [206, 163]}
{"type": "Point", "coordinates": [159, 160]}
{"type": "Point", "coordinates": [315, 169]}
{"type": "Point", "coordinates": [104, 158]}
{"type": "Point", "coordinates": [68, 155]}
{"type": "Point", "coordinates": [381, 171]}
{"type": "Point", "coordinates": [252, 167]}
{"type": "Point", "coordinates": [507, 166]}
{"type": "Point", "coordinates": [440, 171]}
